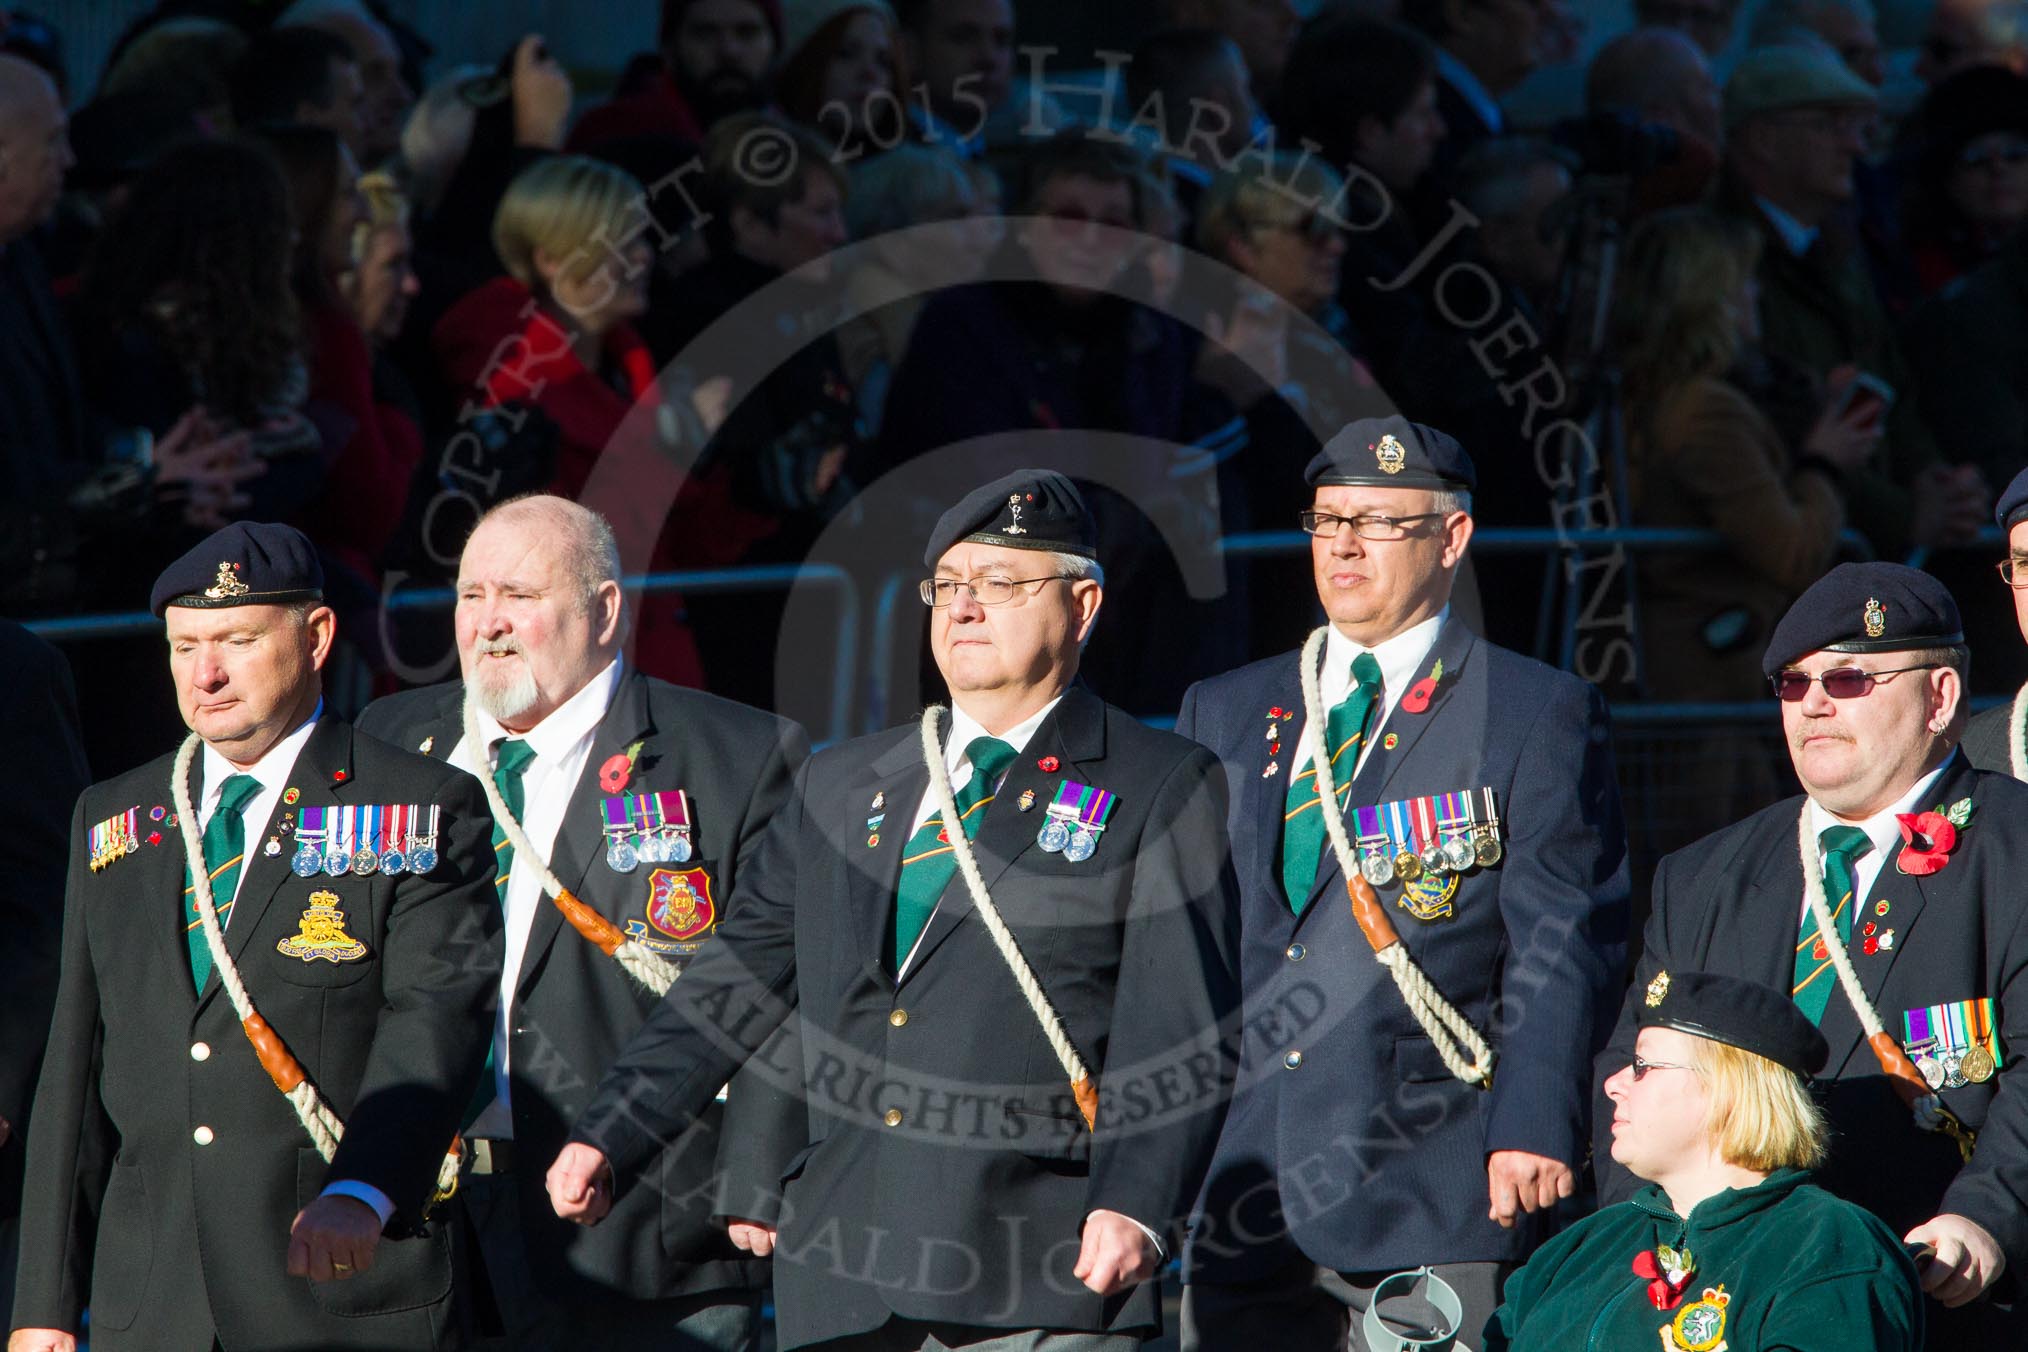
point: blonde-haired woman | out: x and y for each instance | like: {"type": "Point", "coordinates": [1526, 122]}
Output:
{"type": "Point", "coordinates": [555, 336]}
{"type": "Point", "coordinates": [1730, 1246]}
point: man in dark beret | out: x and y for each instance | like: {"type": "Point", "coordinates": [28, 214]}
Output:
{"type": "Point", "coordinates": [1886, 896]}
{"type": "Point", "coordinates": [1997, 739]}
{"type": "Point", "coordinates": [1477, 794]}
{"type": "Point", "coordinates": [344, 944]}
{"type": "Point", "coordinates": [1009, 1031]}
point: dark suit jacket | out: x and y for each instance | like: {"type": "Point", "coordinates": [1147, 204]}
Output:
{"type": "Point", "coordinates": [1377, 1153]}
{"type": "Point", "coordinates": [173, 1242]}
{"type": "Point", "coordinates": [575, 1009]}
{"type": "Point", "coordinates": [1733, 903]}
{"type": "Point", "coordinates": [1986, 739]}
{"type": "Point", "coordinates": [950, 1173]}
{"type": "Point", "coordinates": [38, 726]}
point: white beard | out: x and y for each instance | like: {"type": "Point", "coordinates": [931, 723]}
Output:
{"type": "Point", "coordinates": [509, 694]}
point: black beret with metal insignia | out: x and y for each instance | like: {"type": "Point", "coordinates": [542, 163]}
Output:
{"type": "Point", "coordinates": [2012, 507]}
{"type": "Point", "coordinates": [1393, 453]}
{"type": "Point", "coordinates": [1866, 608]}
{"type": "Point", "coordinates": [248, 563]}
{"type": "Point", "coordinates": [1028, 509]}
{"type": "Point", "coordinates": [1737, 1012]}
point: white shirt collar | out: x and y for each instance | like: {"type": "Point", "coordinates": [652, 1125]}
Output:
{"type": "Point", "coordinates": [1459, 76]}
{"type": "Point", "coordinates": [270, 770]}
{"type": "Point", "coordinates": [964, 728]}
{"type": "Point", "coordinates": [1399, 657]}
{"type": "Point", "coordinates": [1881, 829]}
{"type": "Point", "coordinates": [1795, 236]}
{"type": "Point", "coordinates": [572, 721]}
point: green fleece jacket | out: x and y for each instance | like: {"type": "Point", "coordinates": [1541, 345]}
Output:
{"type": "Point", "coordinates": [1802, 1271]}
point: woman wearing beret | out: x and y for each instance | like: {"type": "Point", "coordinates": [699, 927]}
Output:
{"type": "Point", "coordinates": [1730, 1247]}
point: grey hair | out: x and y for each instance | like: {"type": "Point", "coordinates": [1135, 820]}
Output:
{"type": "Point", "coordinates": [1078, 567]}
{"type": "Point", "coordinates": [908, 185]}
{"type": "Point", "coordinates": [1448, 500]}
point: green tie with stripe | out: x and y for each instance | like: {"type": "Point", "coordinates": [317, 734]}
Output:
{"type": "Point", "coordinates": [927, 861]}
{"type": "Point", "coordinates": [510, 762]}
{"type": "Point", "coordinates": [1302, 820]}
{"type": "Point", "coordinates": [1814, 978]}
{"type": "Point", "coordinates": [224, 852]}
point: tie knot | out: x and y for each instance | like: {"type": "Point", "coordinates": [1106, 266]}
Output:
{"type": "Point", "coordinates": [236, 793]}
{"type": "Point", "coordinates": [513, 757]}
{"type": "Point", "coordinates": [1365, 672]}
{"type": "Point", "coordinates": [990, 758]}
{"type": "Point", "coordinates": [1849, 841]}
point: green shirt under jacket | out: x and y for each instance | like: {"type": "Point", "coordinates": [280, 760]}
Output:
{"type": "Point", "coordinates": [1802, 1271]}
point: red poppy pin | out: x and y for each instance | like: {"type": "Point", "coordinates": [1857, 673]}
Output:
{"type": "Point", "coordinates": [1047, 765]}
{"type": "Point", "coordinates": [1927, 839]}
{"type": "Point", "coordinates": [1418, 696]}
{"type": "Point", "coordinates": [618, 769]}
{"type": "Point", "coordinates": [1667, 1272]}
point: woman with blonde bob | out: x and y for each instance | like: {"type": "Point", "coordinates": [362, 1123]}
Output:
{"type": "Point", "coordinates": [1730, 1246]}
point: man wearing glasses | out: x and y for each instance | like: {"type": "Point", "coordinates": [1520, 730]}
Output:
{"type": "Point", "coordinates": [1994, 740]}
{"type": "Point", "coordinates": [1890, 890]}
{"type": "Point", "coordinates": [1476, 790]}
{"type": "Point", "coordinates": [1011, 1031]}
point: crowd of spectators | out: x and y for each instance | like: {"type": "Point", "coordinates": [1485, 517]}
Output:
{"type": "Point", "coordinates": [809, 262]}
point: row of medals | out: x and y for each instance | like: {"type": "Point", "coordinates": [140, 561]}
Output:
{"type": "Point", "coordinates": [1075, 843]}
{"type": "Point", "coordinates": [624, 854]}
{"type": "Point", "coordinates": [1954, 1068]}
{"type": "Point", "coordinates": [309, 861]}
{"type": "Point", "coordinates": [1452, 855]}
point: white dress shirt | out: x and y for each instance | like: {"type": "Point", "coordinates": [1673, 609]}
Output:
{"type": "Point", "coordinates": [272, 771]}
{"type": "Point", "coordinates": [1403, 661]}
{"type": "Point", "coordinates": [562, 743]}
{"type": "Point", "coordinates": [1881, 829]}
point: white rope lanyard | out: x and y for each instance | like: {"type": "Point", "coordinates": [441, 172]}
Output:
{"type": "Point", "coordinates": [1446, 1027]}
{"type": "Point", "coordinates": [989, 914]}
{"type": "Point", "coordinates": [312, 1111]}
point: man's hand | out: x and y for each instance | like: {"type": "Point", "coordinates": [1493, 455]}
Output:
{"type": "Point", "coordinates": [41, 1340]}
{"type": "Point", "coordinates": [541, 92]}
{"type": "Point", "coordinates": [1967, 1261]}
{"type": "Point", "coordinates": [752, 1236]}
{"type": "Point", "coordinates": [1116, 1254]}
{"type": "Point", "coordinates": [1517, 1181]}
{"type": "Point", "coordinates": [581, 1184]}
{"type": "Point", "coordinates": [332, 1239]}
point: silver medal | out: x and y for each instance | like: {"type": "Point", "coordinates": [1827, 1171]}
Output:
{"type": "Point", "coordinates": [1081, 846]}
{"type": "Point", "coordinates": [1054, 836]}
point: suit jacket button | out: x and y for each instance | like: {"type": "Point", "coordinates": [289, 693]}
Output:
{"type": "Point", "coordinates": [1296, 952]}
{"type": "Point", "coordinates": [1293, 1060]}
{"type": "Point", "coordinates": [898, 1018]}
{"type": "Point", "coordinates": [893, 1118]}
{"type": "Point", "coordinates": [203, 1136]}
{"type": "Point", "coordinates": [200, 1051]}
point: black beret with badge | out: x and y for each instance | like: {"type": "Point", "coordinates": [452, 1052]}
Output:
{"type": "Point", "coordinates": [1737, 1012]}
{"type": "Point", "coordinates": [2012, 508]}
{"type": "Point", "coordinates": [1866, 608]}
{"type": "Point", "coordinates": [1392, 453]}
{"type": "Point", "coordinates": [1028, 509]}
{"type": "Point", "coordinates": [248, 563]}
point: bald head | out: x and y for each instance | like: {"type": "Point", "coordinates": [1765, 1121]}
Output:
{"type": "Point", "coordinates": [34, 147]}
{"type": "Point", "coordinates": [1657, 75]}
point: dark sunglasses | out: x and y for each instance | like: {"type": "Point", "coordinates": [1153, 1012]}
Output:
{"type": "Point", "coordinates": [1792, 687]}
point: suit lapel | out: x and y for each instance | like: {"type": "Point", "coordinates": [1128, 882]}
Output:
{"type": "Point", "coordinates": [322, 769]}
{"type": "Point", "coordinates": [1075, 735]}
{"type": "Point", "coordinates": [580, 838]}
{"type": "Point", "coordinates": [1270, 793]}
{"type": "Point", "coordinates": [166, 868]}
{"type": "Point", "coordinates": [873, 871]}
{"type": "Point", "coordinates": [1377, 772]}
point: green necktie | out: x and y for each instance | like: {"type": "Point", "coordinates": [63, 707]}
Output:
{"type": "Point", "coordinates": [510, 762]}
{"type": "Point", "coordinates": [1302, 820]}
{"type": "Point", "coordinates": [224, 850]}
{"type": "Point", "coordinates": [1814, 978]}
{"type": "Point", "coordinates": [927, 861]}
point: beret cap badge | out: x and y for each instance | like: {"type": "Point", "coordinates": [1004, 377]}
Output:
{"type": "Point", "coordinates": [227, 585]}
{"type": "Point", "coordinates": [1876, 618]}
{"type": "Point", "coordinates": [1014, 526]}
{"type": "Point", "coordinates": [1391, 454]}
{"type": "Point", "coordinates": [1658, 989]}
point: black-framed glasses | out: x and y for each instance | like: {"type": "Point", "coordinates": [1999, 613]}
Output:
{"type": "Point", "coordinates": [1792, 687]}
{"type": "Point", "coordinates": [2013, 572]}
{"type": "Point", "coordinates": [1326, 524]}
{"type": "Point", "coordinates": [938, 592]}
{"type": "Point", "coordinates": [1642, 1066]}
